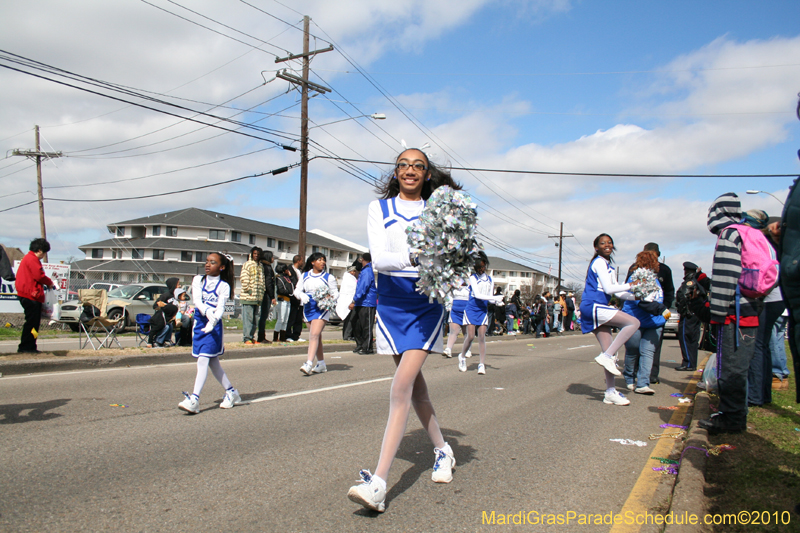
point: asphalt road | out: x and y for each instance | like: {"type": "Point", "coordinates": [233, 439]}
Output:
{"type": "Point", "coordinates": [531, 435]}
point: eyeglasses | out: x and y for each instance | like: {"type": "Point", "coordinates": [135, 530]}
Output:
{"type": "Point", "coordinates": [419, 167]}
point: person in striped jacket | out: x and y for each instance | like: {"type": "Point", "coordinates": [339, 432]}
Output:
{"type": "Point", "coordinates": [735, 339]}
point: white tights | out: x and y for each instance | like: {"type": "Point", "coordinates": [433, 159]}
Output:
{"type": "Point", "coordinates": [610, 345]}
{"type": "Point", "coordinates": [470, 336]}
{"type": "Point", "coordinates": [408, 388]}
{"type": "Point", "coordinates": [203, 363]}
{"type": "Point", "coordinates": [454, 328]}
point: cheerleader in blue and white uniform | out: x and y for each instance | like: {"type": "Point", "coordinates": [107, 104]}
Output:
{"type": "Point", "coordinates": [409, 327]}
{"type": "Point", "coordinates": [460, 298]}
{"type": "Point", "coordinates": [476, 314]}
{"type": "Point", "coordinates": [314, 277]}
{"type": "Point", "coordinates": [210, 293]}
{"type": "Point", "coordinates": [598, 317]}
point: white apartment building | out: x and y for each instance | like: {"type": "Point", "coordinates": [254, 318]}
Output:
{"type": "Point", "coordinates": [510, 276]}
{"type": "Point", "coordinates": [176, 244]}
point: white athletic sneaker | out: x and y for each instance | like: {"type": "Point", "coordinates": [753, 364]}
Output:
{"type": "Point", "coordinates": [447, 352]}
{"type": "Point", "coordinates": [190, 404]}
{"type": "Point", "coordinates": [306, 368]}
{"type": "Point", "coordinates": [443, 467]}
{"type": "Point", "coordinates": [462, 364]}
{"type": "Point", "coordinates": [644, 390]}
{"type": "Point", "coordinates": [608, 362]}
{"type": "Point", "coordinates": [481, 369]}
{"type": "Point", "coordinates": [468, 354]}
{"type": "Point", "coordinates": [231, 398]}
{"type": "Point", "coordinates": [320, 368]}
{"type": "Point", "coordinates": [368, 492]}
{"type": "Point", "coordinates": [616, 398]}
{"type": "Point", "coordinates": [631, 386]}
{"type": "Point", "coordinates": [301, 340]}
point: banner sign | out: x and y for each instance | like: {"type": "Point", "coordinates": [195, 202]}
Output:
{"type": "Point", "coordinates": [55, 271]}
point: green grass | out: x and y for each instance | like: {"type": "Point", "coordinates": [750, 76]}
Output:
{"type": "Point", "coordinates": [763, 472]}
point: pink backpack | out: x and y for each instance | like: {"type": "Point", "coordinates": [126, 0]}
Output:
{"type": "Point", "coordinates": [760, 265]}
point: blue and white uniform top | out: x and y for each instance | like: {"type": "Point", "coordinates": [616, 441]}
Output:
{"type": "Point", "coordinates": [308, 284]}
{"type": "Point", "coordinates": [209, 295]}
{"type": "Point", "coordinates": [460, 299]}
{"type": "Point", "coordinates": [600, 286]}
{"type": "Point", "coordinates": [405, 319]}
{"type": "Point", "coordinates": [481, 293]}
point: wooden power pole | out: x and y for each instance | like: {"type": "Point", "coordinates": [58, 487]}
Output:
{"type": "Point", "coordinates": [37, 155]}
{"type": "Point", "coordinates": [560, 245]}
{"type": "Point", "coordinates": [304, 85]}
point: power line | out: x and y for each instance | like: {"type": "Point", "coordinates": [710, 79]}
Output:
{"type": "Point", "coordinates": [596, 174]}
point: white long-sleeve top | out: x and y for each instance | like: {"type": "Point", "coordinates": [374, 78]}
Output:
{"type": "Point", "coordinates": [349, 283]}
{"type": "Point", "coordinates": [606, 283]}
{"type": "Point", "coordinates": [461, 293]}
{"type": "Point", "coordinates": [387, 244]}
{"type": "Point", "coordinates": [205, 301]}
{"type": "Point", "coordinates": [482, 287]}
{"type": "Point", "coordinates": [310, 282]}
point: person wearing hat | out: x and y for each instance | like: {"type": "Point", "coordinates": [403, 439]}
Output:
{"type": "Point", "coordinates": [665, 280]}
{"type": "Point", "coordinates": [689, 324]}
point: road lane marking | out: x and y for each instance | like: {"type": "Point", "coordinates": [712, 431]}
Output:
{"type": "Point", "coordinates": [314, 391]}
{"type": "Point", "coordinates": [579, 347]}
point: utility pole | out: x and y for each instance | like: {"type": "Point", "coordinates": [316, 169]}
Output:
{"type": "Point", "coordinates": [37, 155]}
{"type": "Point", "coordinates": [560, 238]}
{"type": "Point", "coordinates": [304, 84]}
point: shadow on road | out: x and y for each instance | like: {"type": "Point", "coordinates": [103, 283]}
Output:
{"type": "Point", "coordinates": [592, 393]}
{"type": "Point", "coordinates": [12, 414]}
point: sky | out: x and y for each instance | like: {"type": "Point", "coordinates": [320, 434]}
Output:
{"type": "Point", "coordinates": [556, 89]}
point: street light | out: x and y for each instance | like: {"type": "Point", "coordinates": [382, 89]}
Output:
{"type": "Point", "coordinates": [753, 191]}
{"type": "Point", "coordinates": [374, 116]}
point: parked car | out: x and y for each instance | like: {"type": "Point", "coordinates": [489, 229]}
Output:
{"type": "Point", "coordinates": [106, 286]}
{"type": "Point", "coordinates": [139, 298]}
{"type": "Point", "coordinates": [671, 326]}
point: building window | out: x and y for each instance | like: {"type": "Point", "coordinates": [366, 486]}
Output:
{"type": "Point", "coordinates": [143, 278]}
{"type": "Point", "coordinates": [281, 246]}
{"type": "Point", "coordinates": [111, 276]}
{"type": "Point", "coordinates": [97, 253]}
{"type": "Point", "coordinates": [252, 239]}
{"type": "Point", "coordinates": [320, 249]}
{"type": "Point", "coordinates": [158, 254]}
{"type": "Point", "coordinates": [187, 256]}
{"type": "Point", "coordinates": [121, 231]}
{"type": "Point", "coordinates": [156, 231]}
{"type": "Point", "coordinates": [270, 242]}
{"type": "Point", "coordinates": [199, 257]}
{"type": "Point", "coordinates": [137, 253]}
{"type": "Point", "coordinates": [114, 254]}
{"type": "Point", "coordinates": [172, 231]}
{"type": "Point", "coordinates": [218, 234]}
{"type": "Point", "coordinates": [236, 236]}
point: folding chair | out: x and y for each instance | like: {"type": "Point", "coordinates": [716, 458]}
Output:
{"type": "Point", "coordinates": [142, 328]}
{"type": "Point", "coordinates": [97, 326]}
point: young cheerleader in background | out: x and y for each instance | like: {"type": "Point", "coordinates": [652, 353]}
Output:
{"type": "Point", "coordinates": [210, 292]}
{"type": "Point", "coordinates": [460, 298]}
{"type": "Point", "coordinates": [476, 314]}
{"type": "Point", "coordinates": [409, 326]}
{"type": "Point", "coordinates": [598, 317]}
{"type": "Point", "coordinates": [314, 276]}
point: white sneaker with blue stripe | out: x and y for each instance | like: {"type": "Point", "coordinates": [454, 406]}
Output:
{"type": "Point", "coordinates": [369, 492]}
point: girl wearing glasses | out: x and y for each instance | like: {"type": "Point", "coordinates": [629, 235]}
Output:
{"type": "Point", "coordinates": [409, 327]}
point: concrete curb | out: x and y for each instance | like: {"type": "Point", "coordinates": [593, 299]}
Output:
{"type": "Point", "coordinates": [155, 357]}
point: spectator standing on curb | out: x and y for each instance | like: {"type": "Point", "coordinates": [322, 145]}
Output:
{"type": "Point", "coordinates": [689, 324]}
{"type": "Point", "coordinates": [295, 326]}
{"type": "Point", "coordinates": [162, 319]}
{"type": "Point", "coordinates": [252, 294]}
{"type": "Point", "coordinates": [283, 294]}
{"type": "Point", "coordinates": [269, 295]}
{"type": "Point", "coordinates": [540, 313]}
{"type": "Point", "coordinates": [30, 282]}
{"type": "Point", "coordinates": [735, 325]}
{"type": "Point", "coordinates": [790, 273]}
{"type": "Point", "coordinates": [512, 312]}
{"type": "Point", "coordinates": [570, 305]}
{"type": "Point", "coordinates": [346, 293]}
{"type": "Point", "coordinates": [365, 300]}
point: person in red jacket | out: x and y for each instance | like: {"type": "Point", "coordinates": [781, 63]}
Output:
{"type": "Point", "coordinates": [30, 284]}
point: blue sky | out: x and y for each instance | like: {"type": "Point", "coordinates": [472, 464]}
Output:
{"type": "Point", "coordinates": [554, 85]}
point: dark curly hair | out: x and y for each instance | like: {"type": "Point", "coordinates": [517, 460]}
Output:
{"type": "Point", "coordinates": [389, 187]}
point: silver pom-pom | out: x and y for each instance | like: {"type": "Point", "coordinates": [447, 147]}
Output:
{"type": "Point", "coordinates": [444, 239]}
{"type": "Point", "coordinates": [646, 287]}
{"type": "Point", "coordinates": [324, 298]}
